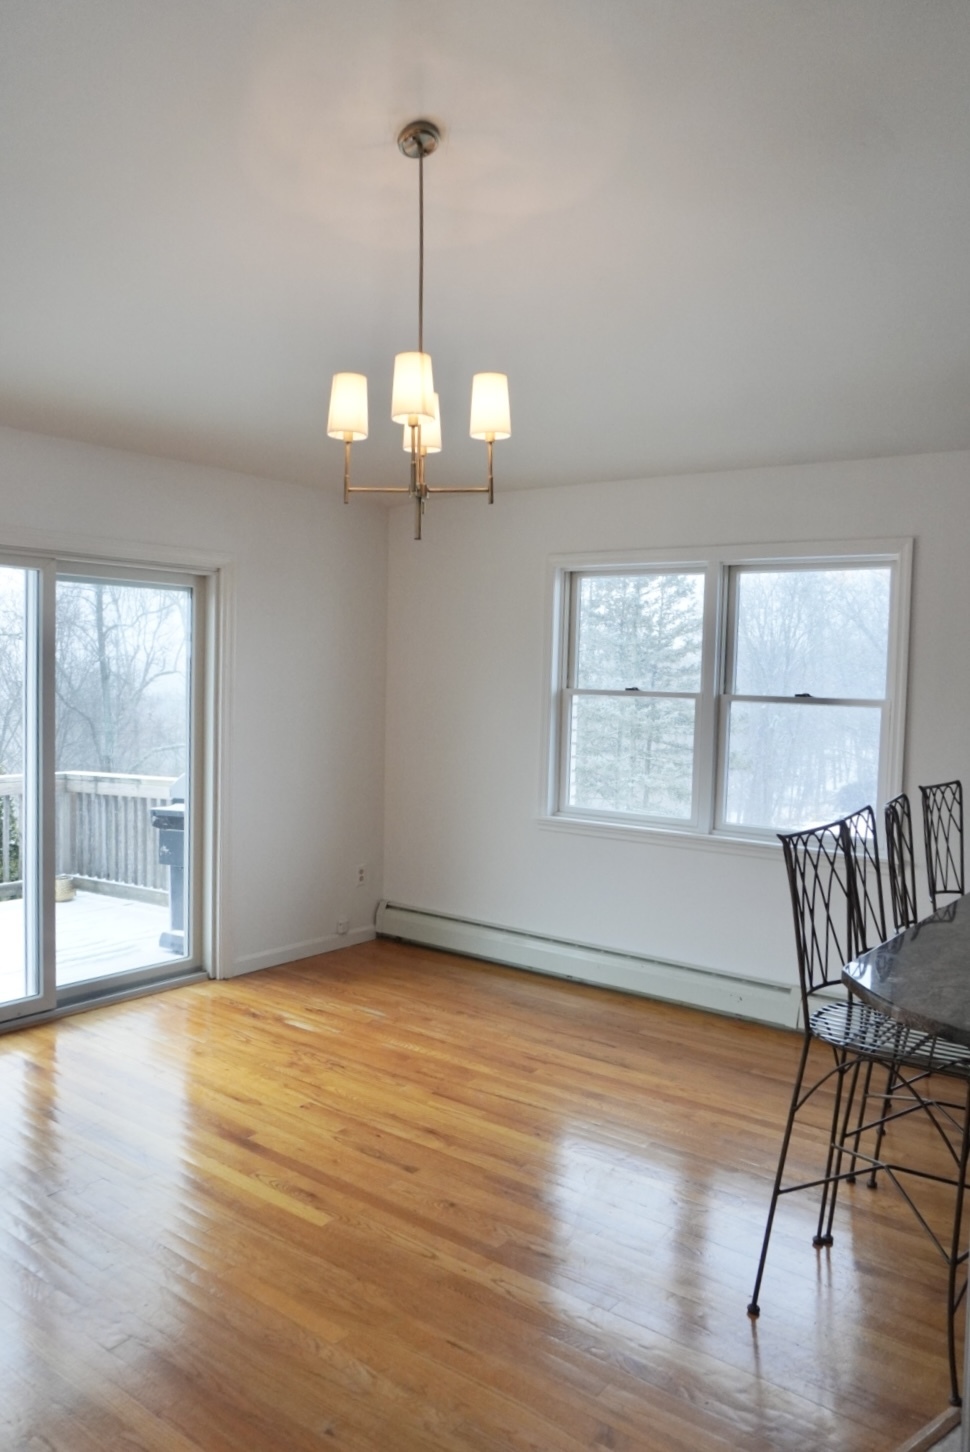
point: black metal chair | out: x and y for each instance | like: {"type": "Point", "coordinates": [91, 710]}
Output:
{"type": "Point", "coordinates": [867, 904]}
{"type": "Point", "coordinates": [837, 902]}
{"type": "Point", "coordinates": [943, 837]}
{"type": "Point", "coordinates": [901, 862]}
{"type": "Point", "coordinates": [866, 898]}
{"type": "Point", "coordinates": [828, 933]}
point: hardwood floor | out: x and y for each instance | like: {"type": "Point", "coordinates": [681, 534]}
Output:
{"type": "Point", "coordinates": [390, 1200]}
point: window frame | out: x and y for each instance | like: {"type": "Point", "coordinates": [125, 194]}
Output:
{"type": "Point", "coordinates": [720, 565]}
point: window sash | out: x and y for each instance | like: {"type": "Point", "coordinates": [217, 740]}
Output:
{"type": "Point", "coordinates": [577, 580]}
{"type": "Point", "coordinates": [731, 584]}
{"type": "Point", "coordinates": [827, 812]}
{"type": "Point", "coordinates": [571, 697]}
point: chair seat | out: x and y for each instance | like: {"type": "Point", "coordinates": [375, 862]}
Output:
{"type": "Point", "coordinates": [865, 1031]}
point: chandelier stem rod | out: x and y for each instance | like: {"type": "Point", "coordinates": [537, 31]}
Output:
{"type": "Point", "coordinates": [421, 250]}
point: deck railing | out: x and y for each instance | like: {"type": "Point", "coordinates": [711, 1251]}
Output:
{"type": "Point", "coordinates": [103, 830]}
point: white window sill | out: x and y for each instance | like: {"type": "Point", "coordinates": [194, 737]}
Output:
{"type": "Point", "coordinates": [765, 847]}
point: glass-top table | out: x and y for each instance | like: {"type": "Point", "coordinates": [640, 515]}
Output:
{"type": "Point", "coordinates": [921, 978]}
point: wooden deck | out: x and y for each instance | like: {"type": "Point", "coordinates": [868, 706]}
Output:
{"type": "Point", "coordinates": [97, 935]}
{"type": "Point", "coordinates": [393, 1201]}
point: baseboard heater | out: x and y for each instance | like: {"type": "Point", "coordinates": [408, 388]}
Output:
{"type": "Point", "coordinates": [754, 998]}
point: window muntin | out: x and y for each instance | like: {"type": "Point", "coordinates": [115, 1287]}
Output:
{"type": "Point", "coordinates": [735, 694]}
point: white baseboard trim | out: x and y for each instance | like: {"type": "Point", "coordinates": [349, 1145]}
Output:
{"type": "Point", "coordinates": [253, 962]}
{"type": "Point", "coordinates": [754, 998]}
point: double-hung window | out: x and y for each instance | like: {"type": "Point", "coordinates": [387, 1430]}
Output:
{"type": "Point", "coordinates": [744, 693]}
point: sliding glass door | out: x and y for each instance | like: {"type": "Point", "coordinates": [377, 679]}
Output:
{"type": "Point", "coordinates": [99, 781]}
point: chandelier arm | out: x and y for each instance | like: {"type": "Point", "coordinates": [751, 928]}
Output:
{"type": "Point", "coordinates": [471, 489]}
{"type": "Point", "coordinates": [378, 489]}
{"type": "Point", "coordinates": [488, 488]}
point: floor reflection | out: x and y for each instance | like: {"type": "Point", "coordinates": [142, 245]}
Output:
{"type": "Point", "coordinates": [324, 1204]}
{"type": "Point", "coordinates": [655, 1248]}
{"type": "Point", "coordinates": [93, 1197]}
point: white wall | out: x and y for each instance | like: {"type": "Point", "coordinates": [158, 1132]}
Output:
{"type": "Point", "coordinates": [466, 686]}
{"type": "Point", "coordinates": [305, 711]}
{"type": "Point", "coordinates": [467, 698]}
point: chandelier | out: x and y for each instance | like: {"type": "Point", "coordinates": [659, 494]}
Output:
{"type": "Point", "coordinates": [414, 402]}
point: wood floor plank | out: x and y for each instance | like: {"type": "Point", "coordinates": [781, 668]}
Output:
{"type": "Point", "coordinates": [393, 1201]}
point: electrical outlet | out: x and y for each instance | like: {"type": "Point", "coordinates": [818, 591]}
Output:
{"type": "Point", "coordinates": [342, 925]}
{"type": "Point", "coordinates": [360, 875]}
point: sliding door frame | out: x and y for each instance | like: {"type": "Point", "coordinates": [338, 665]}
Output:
{"type": "Point", "coordinates": [37, 810]}
{"type": "Point", "coordinates": [212, 633]}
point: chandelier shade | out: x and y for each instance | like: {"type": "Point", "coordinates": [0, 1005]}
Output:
{"type": "Point", "coordinates": [430, 440]}
{"type": "Point", "coordinates": [491, 418]}
{"type": "Point", "coordinates": [412, 391]}
{"type": "Point", "coordinates": [348, 407]}
{"type": "Point", "coordinates": [414, 402]}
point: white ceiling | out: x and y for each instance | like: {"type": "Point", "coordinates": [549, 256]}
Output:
{"type": "Point", "coordinates": [697, 234]}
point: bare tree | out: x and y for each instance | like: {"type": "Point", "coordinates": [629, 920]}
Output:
{"type": "Point", "coordinates": [121, 677]}
{"type": "Point", "coordinates": [11, 682]}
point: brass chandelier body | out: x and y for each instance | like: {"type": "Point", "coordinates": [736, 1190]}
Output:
{"type": "Point", "coordinates": [414, 403]}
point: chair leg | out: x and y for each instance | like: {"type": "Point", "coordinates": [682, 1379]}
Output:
{"type": "Point", "coordinates": [837, 1138]}
{"type": "Point", "coordinates": [753, 1308]}
{"type": "Point", "coordinates": [957, 1255]}
{"type": "Point", "coordinates": [860, 1120]}
{"type": "Point", "coordinates": [887, 1100]}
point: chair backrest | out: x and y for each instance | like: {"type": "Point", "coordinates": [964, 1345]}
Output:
{"type": "Point", "coordinates": [902, 865]}
{"type": "Point", "coordinates": [943, 836]}
{"type": "Point", "coordinates": [822, 895]}
{"type": "Point", "coordinates": [867, 903]}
